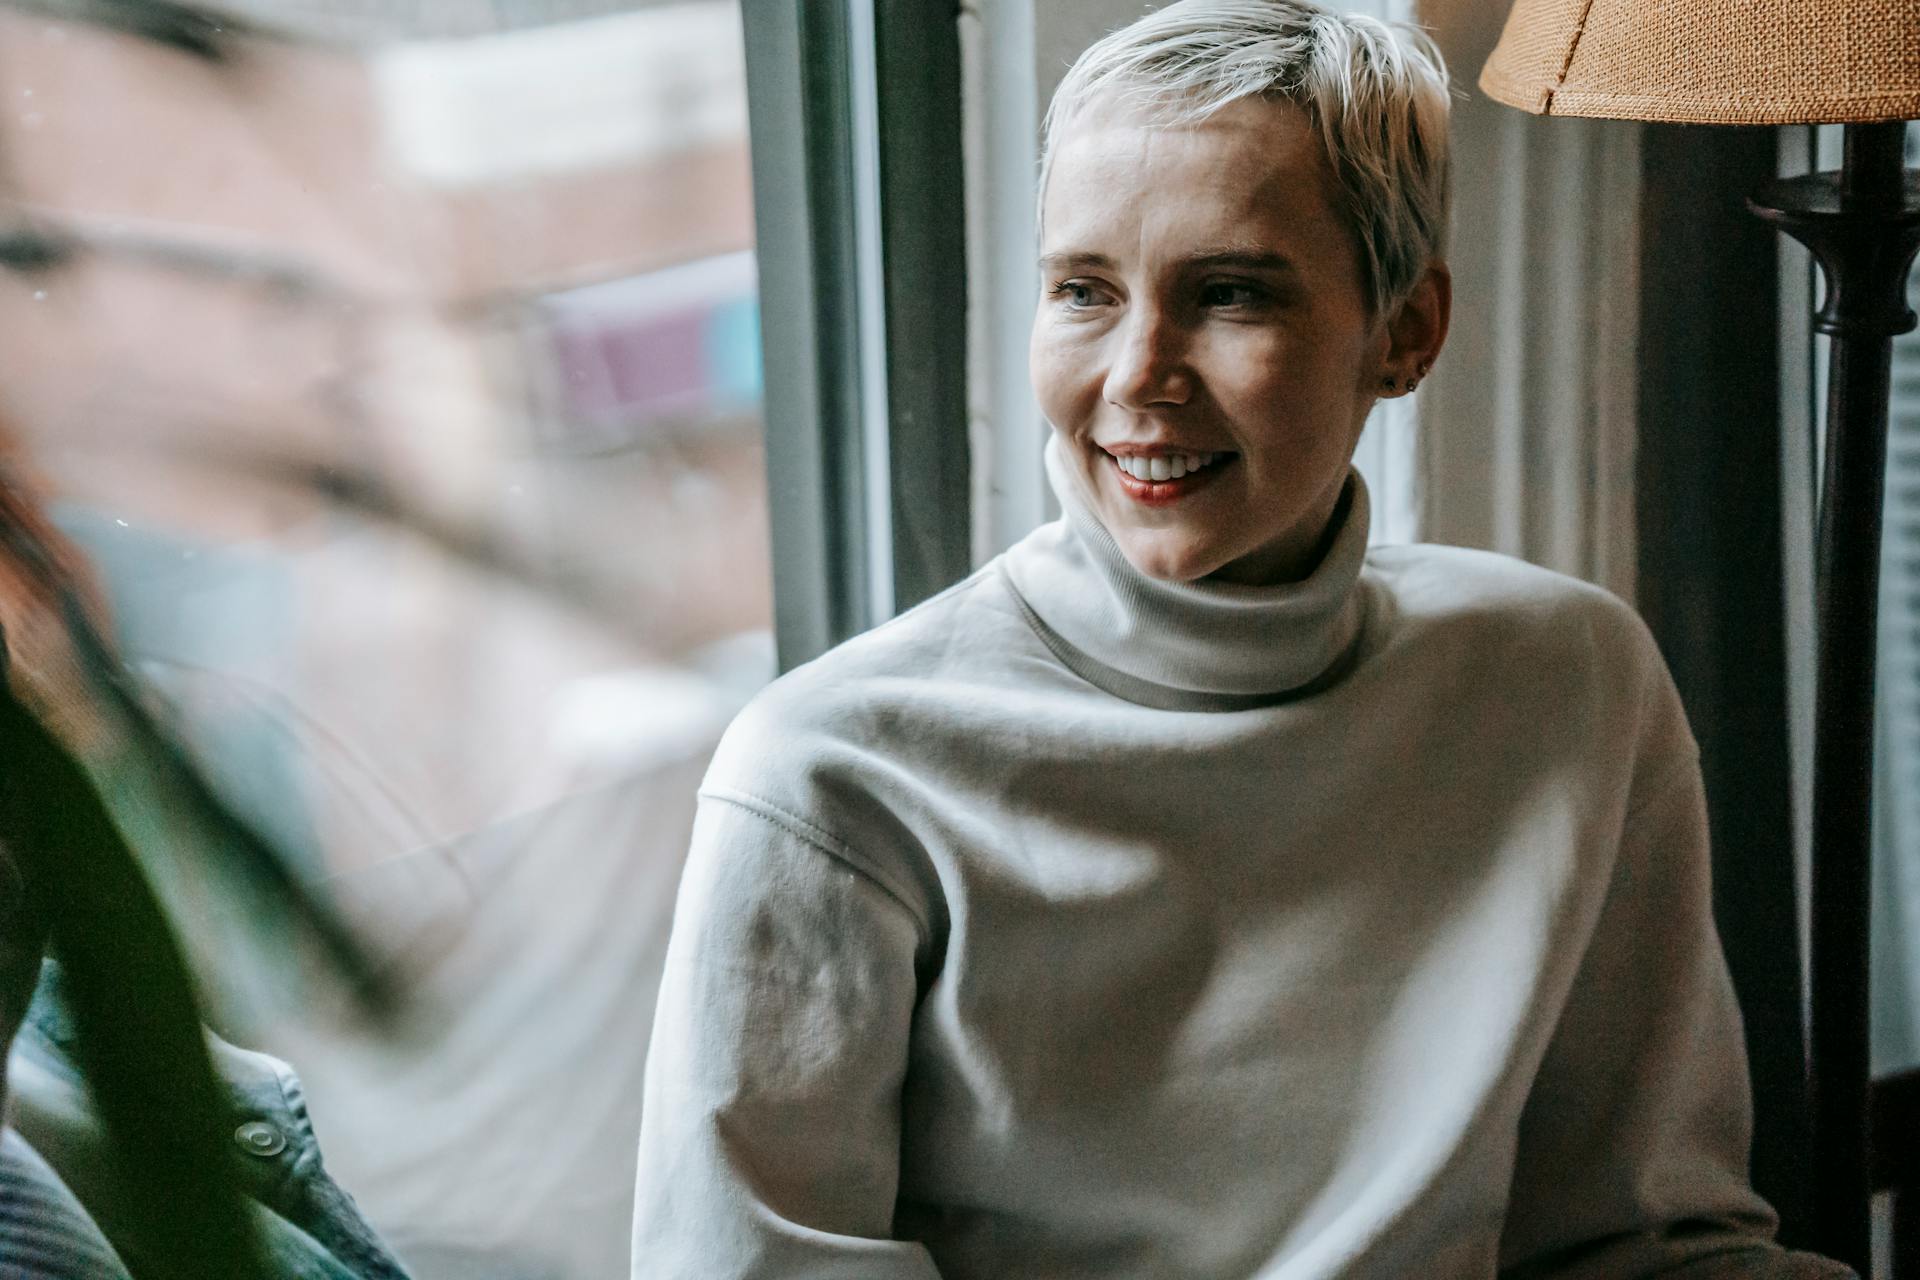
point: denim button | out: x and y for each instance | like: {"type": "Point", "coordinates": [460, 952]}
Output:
{"type": "Point", "coordinates": [258, 1138]}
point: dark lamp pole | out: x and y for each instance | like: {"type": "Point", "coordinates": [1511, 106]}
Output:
{"type": "Point", "coordinates": [1862, 225]}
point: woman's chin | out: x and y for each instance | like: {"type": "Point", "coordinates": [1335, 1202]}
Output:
{"type": "Point", "coordinates": [1167, 560]}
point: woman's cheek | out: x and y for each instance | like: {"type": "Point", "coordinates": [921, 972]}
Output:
{"type": "Point", "coordinates": [1060, 384]}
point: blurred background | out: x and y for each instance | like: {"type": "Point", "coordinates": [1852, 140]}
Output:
{"type": "Point", "coordinates": [495, 262]}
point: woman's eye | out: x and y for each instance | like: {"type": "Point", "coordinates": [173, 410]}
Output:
{"type": "Point", "coordinates": [1075, 293]}
{"type": "Point", "coordinates": [1229, 294]}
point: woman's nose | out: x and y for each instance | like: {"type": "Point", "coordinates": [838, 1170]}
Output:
{"type": "Point", "coordinates": [1149, 365]}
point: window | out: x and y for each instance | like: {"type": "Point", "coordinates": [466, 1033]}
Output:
{"type": "Point", "coordinates": [860, 197]}
{"type": "Point", "coordinates": [1896, 925]}
{"type": "Point", "coordinates": [1896, 882]}
{"type": "Point", "coordinates": [398, 369]}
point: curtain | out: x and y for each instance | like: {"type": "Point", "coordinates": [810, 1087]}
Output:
{"type": "Point", "coordinates": [1526, 430]}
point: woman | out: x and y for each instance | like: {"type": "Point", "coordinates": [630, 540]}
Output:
{"type": "Point", "coordinates": [1193, 892]}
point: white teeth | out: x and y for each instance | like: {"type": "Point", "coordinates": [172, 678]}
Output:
{"type": "Point", "coordinates": [1162, 468]}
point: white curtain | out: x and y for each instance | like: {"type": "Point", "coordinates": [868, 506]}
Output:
{"type": "Point", "coordinates": [1527, 423]}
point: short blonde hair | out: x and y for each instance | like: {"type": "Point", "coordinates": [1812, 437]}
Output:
{"type": "Point", "coordinates": [1376, 91]}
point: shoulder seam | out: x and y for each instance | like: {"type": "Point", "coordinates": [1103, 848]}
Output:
{"type": "Point", "coordinates": [824, 842]}
{"type": "Point", "coordinates": [1671, 776]}
{"type": "Point", "coordinates": [955, 590]}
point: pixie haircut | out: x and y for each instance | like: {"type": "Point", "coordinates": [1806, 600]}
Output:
{"type": "Point", "coordinates": [1375, 91]}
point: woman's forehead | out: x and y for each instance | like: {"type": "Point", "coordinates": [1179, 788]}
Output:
{"type": "Point", "coordinates": [1251, 173]}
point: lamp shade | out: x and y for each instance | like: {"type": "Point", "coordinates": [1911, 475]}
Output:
{"type": "Point", "coordinates": [1711, 61]}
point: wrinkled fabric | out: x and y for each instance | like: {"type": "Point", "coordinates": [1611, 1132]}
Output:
{"type": "Point", "coordinates": [989, 961]}
{"type": "Point", "coordinates": [1140, 637]}
{"type": "Point", "coordinates": [310, 1228]}
{"type": "Point", "coordinates": [45, 1232]}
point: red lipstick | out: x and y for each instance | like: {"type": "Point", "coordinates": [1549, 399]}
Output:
{"type": "Point", "coordinates": [1162, 493]}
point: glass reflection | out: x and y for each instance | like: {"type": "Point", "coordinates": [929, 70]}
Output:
{"type": "Point", "coordinates": [397, 369]}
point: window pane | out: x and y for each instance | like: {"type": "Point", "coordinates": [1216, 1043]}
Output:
{"type": "Point", "coordinates": [1896, 923]}
{"type": "Point", "coordinates": [397, 368]}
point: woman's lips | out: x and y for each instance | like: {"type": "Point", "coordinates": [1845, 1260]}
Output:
{"type": "Point", "coordinates": [1160, 493]}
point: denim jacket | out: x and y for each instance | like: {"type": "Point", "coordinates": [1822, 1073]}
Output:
{"type": "Point", "coordinates": [56, 1217]}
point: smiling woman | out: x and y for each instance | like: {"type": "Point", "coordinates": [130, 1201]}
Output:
{"type": "Point", "coordinates": [1154, 342]}
{"type": "Point", "coordinates": [1194, 893]}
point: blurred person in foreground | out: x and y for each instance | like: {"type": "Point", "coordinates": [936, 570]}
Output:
{"type": "Point", "coordinates": [64, 1207]}
{"type": "Point", "coordinates": [1193, 892]}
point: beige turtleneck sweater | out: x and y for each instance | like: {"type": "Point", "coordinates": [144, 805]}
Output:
{"type": "Point", "coordinates": [1079, 926]}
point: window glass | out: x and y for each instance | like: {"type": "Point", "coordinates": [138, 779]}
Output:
{"type": "Point", "coordinates": [397, 369]}
{"type": "Point", "coordinates": [1896, 920]}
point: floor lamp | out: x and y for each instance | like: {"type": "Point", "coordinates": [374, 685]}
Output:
{"type": "Point", "coordinates": [1852, 62]}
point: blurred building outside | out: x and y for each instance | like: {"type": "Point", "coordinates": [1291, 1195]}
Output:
{"type": "Point", "coordinates": [499, 261]}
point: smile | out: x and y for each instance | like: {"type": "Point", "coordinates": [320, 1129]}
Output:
{"type": "Point", "coordinates": [1157, 479]}
{"type": "Point", "coordinates": [1163, 467]}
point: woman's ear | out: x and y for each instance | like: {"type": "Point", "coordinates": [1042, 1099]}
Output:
{"type": "Point", "coordinates": [1418, 329]}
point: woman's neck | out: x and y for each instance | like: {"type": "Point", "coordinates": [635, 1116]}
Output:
{"type": "Point", "coordinates": [1205, 645]}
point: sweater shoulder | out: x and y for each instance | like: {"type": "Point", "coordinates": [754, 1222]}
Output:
{"type": "Point", "coordinates": [853, 746]}
{"type": "Point", "coordinates": [1502, 598]}
{"type": "Point", "coordinates": [1532, 635]}
{"type": "Point", "coordinates": [863, 703]}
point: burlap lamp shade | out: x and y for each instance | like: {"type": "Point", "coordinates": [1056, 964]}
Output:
{"type": "Point", "coordinates": [1711, 61]}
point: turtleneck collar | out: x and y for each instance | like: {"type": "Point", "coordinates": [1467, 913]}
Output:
{"type": "Point", "coordinates": [1187, 645]}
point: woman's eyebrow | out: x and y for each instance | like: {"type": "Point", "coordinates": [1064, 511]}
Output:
{"type": "Point", "coordinates": [1206, 260]}
{"type": "Point", "coordinates": [1054, 262]}
{"type": "Point", "coordinates": [1243, 259]}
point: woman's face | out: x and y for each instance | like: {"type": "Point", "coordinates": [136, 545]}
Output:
{"type": "Point", "coordinates": [1200, 296]}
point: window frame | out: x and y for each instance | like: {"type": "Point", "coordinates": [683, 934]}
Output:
{"type": "Point", "coordinates": [860, 225]}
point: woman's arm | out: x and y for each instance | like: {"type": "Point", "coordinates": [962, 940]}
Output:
{"type": "Point", "coordinates": [1633, 1146]}
{"type": "Point", "coordinates": [770, 1132]}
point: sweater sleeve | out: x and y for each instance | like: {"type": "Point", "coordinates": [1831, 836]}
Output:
{"type": "Point", "coordinates": [770, 1129]}
{"type": "Point", "coordinates": [1633, 1143]}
